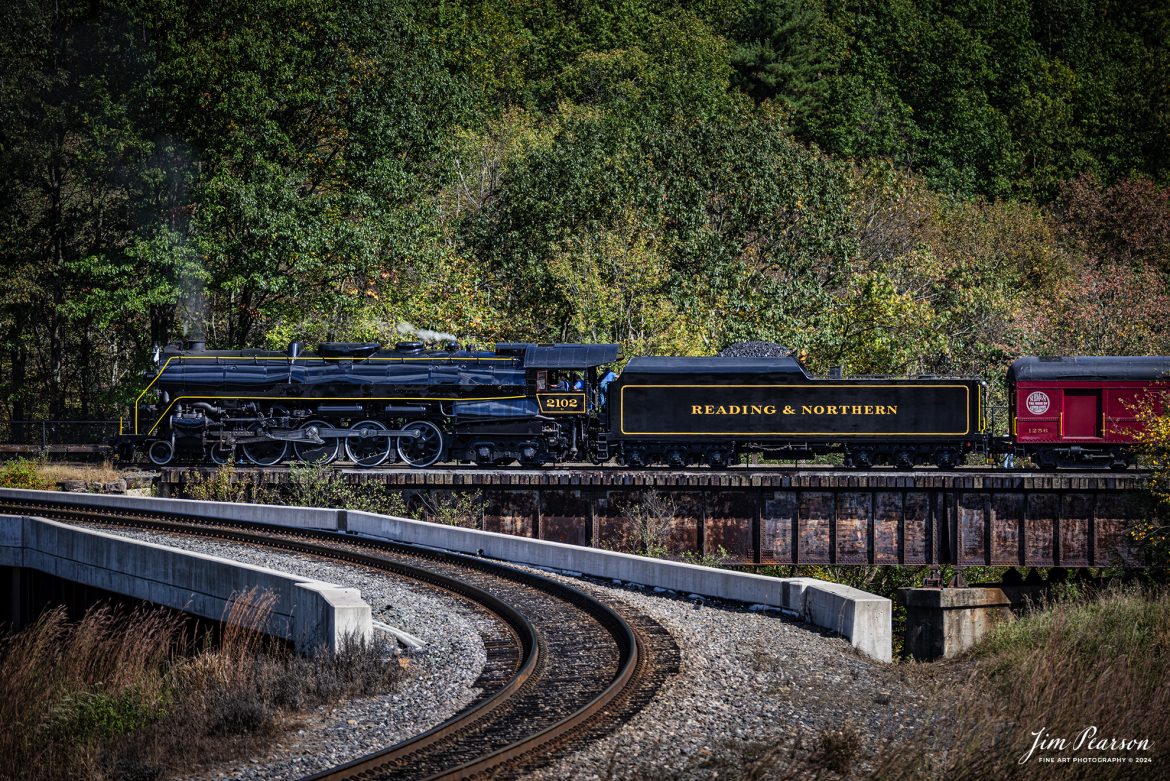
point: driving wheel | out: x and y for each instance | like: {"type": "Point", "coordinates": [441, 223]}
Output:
{"type": "Point", "coordinates": [368, 448]}
{"type": "Point", "coordinates": [311, 452]}
{"type": "Point", "coordinates": [425, 448]}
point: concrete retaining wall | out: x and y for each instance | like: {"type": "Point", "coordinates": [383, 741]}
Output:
{"type": "Point", "coordinates": [863, 618]}
{"type": "Point", "coordinates": [778, 516]}
{"type": "Point", "coordinates": [300, 517]}
{"type": "Point", "coordinates": [310, 613]}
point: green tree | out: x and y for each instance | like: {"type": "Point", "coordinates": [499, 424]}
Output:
{"type": "Point", "coordinates": [317, 128]}
{"type": "Point", "coordinates": [786, 51]}
{"type": "Point", "coordinates": [85, 171]}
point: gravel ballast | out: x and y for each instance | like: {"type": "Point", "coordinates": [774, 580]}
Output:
{"type": "Point", "coordinates": [749, 681]}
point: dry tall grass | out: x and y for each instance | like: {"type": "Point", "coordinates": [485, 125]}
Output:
{"type": "Point", "coordinates": [80, 685]}
{"type": "Point", "coordinates": [1101, 662]}
{"type": "Point", "coordinates": [86, 473]}
{"type": "Point", "coordinates": [36, 473]}
{"type": "Point", "coordinates": [133, 696]}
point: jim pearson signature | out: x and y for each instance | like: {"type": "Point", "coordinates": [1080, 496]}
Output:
{"type": "Point", "coordinates": [1086, 740]}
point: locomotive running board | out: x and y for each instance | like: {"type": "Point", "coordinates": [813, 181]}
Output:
{"type": "Point", "coordinates": [299, 435]}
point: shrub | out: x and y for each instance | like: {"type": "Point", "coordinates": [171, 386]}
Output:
{"type": "Point", "coordinates": [23, 473]}
{"type": "Point", "coordinates": [717, 559]}
{"type": "Point", "coordinates": [465, 509]}
{"type": "Point", "coordinates": [650, 515]}
{"type": "Point", "coordinates": [309, 485]}
{"type": "Point", "coordinates": [222, 485]}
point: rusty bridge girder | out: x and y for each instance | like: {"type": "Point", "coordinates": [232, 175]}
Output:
{"type": "Point", "coordinates": [783, 516]}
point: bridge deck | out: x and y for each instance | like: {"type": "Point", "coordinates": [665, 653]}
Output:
{"type": "Point", "coordinates": [782, 516]}
{"type": "Point", "coordinates": [735, 477]}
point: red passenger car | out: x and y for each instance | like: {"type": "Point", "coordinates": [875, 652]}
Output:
{"type": "Point", "coordinates": [1083, 409]}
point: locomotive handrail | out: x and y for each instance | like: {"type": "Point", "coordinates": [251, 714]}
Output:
{"type": "Point", "coordinates": [138, 400]}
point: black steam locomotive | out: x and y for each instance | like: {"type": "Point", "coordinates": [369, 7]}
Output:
{"type": "Point", "coordinates": [538, 404]}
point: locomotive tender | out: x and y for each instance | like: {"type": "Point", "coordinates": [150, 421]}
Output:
{"type": "Point", "coordinates": [538, 404]}
{"type": "Point", "coordinates": [688, 410]}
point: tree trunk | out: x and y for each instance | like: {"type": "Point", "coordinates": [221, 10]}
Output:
{"type": "Point", "coordinates": [56, 280]}
{"type": "Point", "coordinates": [85, 367]}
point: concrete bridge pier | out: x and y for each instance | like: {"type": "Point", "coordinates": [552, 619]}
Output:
{"type": "Point", "coordinates": [944, 622]}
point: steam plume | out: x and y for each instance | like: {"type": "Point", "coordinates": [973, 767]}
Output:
{"type": "Point", "coordinates": [424, 334]}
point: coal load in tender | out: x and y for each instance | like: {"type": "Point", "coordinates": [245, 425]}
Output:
{"type": "Point", "coordinates": [755, 350]}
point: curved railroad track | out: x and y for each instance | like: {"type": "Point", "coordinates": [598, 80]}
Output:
{"type": "Point", "coordinates": [562, 668]}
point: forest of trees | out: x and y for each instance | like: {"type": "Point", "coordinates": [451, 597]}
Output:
{"type": "Point", "coordinates": [895, 186]}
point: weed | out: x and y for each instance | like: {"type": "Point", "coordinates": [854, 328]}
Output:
{"type": "Point", "coordinates": [23, 473]}
{"type": "Point", "coordinates": [838, 749]}
{"type": "Point", "coordinates": [717, 559]}
{"type": "Point", "coordinates": [222, 485]}
{"type": "Point", "coordinates": [464, 509]}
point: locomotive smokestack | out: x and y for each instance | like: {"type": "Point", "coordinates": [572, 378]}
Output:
{"type": "Point", "coordinates": [196, 339]}
{"type": "Point", "coordinates": [195, 312]}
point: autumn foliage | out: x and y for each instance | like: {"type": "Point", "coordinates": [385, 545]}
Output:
{"type": "Point", "coordinates": [1151, 535]}
{"type": "Point", "coordinates": [895, 187]}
